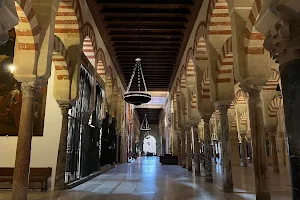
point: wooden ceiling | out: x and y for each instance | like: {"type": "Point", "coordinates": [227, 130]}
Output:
{"type": "Point", "coordinates": [164, 29]}
{"type": "Point", "coordinates": [152, 114]}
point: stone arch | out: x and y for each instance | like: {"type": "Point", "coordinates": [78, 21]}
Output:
{"type": "Point", "coordinates": [62, 64]}
{"type": "Point", "coordinates": [27, 38]}
{"type": "Point", "coordinates": [233, 121]}
{"type": "Point", "coordinates": [273, 81]}
{"type": "Point", "coordinates": [101, 64]}
{"type": "Point", "coordinates": [274, 106]}
{"type": "Point", "coordinates": [225, 80]}
{"type": "Point", "coordinates": [240, 97]}
{"type": "Point", "coordinates": [253, 40]}
{"type": "Point", "coordinates": [183, 88]}
{"type": "Point", "coordinates": [200, 49]}
{"type": "Point", "coordinates": [89, 43]}
{"type": "Point", "coordinates": [244, 118]}
{"type": "Point", "coordinates": [218, 19]}
{"type": "Point", "coordinates": [109, 89]}
{"type": "Point", "coordinates": [205, 86]}
{"type": "Point", "coordinates": [190, 68]}
{"type": "Point", "coordinates": [68, 21]}
{"type": "Point", "coordinates": [219, 30]}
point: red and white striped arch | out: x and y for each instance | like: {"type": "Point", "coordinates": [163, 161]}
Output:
{"type": "Point", "coordinates": [61, 60]}
{"type": "Point", "coordinates": [233, 121]}
{"type": "Point", "coordinates": [194, 100]}
{"type": "Point", "coordinates": [66, 21]}
{"type": "Point", "coordinates": [28, 30]}
{"type": "Point", "coordinates": [225, 64]}
{"type": "Point", "coordinates": [101, 65]}
{"type": "Point", "coordinates": [253, 39]}
{"type": "Point", "coordinates": [183, 84]}
{"type": "Point", "coordinates": [218, 18]}
{"type": "Point", "coordinates": [200, 50]}
{"type": "Point", "coordinates": [190, 69]}
{"type": "Point", "coordinates": [89, 43]}
{"type": "Point", "coordinates": [240, 97]}
{"type": "Point", "coordinates": [274, 105]}
{"type": "Point", "coordinates": [244, 118]}
{"type": "Point", "coordinates": [273, 81]}
{"type": "Point", "coordinates": [205, 86]}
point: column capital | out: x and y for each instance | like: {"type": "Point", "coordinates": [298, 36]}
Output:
{"type": "Point", "coordinates": [282, 41]}
{"type": "Point", "coordinates": [252, 90]}
{"type": "Point", "coordinates": [29, 89]}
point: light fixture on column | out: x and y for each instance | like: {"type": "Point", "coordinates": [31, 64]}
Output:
{"type": "Point", "coordinates": [137, 97]}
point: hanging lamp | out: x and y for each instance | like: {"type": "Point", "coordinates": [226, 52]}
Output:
{"type": "Point", "coordinates": [145, 125]}
{"type": "Point", "coordinates": [137, 97]}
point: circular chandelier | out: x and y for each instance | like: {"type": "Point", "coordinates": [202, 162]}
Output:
{"type": "Point", "coordinates": [137, 97]}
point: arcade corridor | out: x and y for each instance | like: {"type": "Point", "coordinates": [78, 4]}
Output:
{"type": "Point", "coordinates": [147, 179]}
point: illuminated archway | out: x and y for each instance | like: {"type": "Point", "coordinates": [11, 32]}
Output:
{"type": "Point", "coordinates": [149, 145]}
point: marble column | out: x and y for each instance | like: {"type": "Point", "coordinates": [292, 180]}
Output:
{"type": "Point", "coordinates": [235, 155]}
{"type": "Point", "coordinates": [207, 151]}
{"type": "Point", "coordinates": [214, 152]}
{"type": "Point", "coordinates": [244, 150]}
{"type": "Point", "coordinates": [23, 152]}
{"type": "Point", "coordinates": [117, 146]}
{"type": "Point", "coordinates": [62, 149]}
{"type": "Point", "coordinates": [250, 149]}
{"type": "Point", "coordinates": [197, 150]}
{"type": "Point", "coordinates": [290, 82]}
{"type": "Point", "coordinates": [226, 153]}
{"type": "Point", "coordinates": [183, 148]}
{"type": "Point", "coordinates": [271, 130]}
{"type": "Point", "coordinates": [258, 142]}
{"type": "Point", "coordinates": [179, 148]}
{"type": "Point", "coordinates": [188, 149]}
{"type": "Point", "coordinates": [274, 153]}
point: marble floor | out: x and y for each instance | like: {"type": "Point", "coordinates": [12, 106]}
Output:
{"type": "Point", "coordinates": [146, 179]}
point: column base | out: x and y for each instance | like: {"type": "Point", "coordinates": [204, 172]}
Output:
{"type": "Point", "coordinates": [228, 189]}
{"type": "Point", "coordinates": [263, 196]}
{"type": "Point", "coordinates": [209, 179]}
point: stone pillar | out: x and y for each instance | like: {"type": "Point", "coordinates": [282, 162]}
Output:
{"type": "Point", "coordinates": [197, 150]}
{"type": "Point", "coordinates": [117, 146]}
{"type": "Point", "coordinates": [235, 155]}
{"type": "Point", "coordinates": [179, 148]}
{"type": "Point", "coordinates": [258, 142]}
{"type": "Point", "coordinates": [244, 150]}
{"type": "Point", "coordinates": [183, 149]}
{"type": "Point", "coordinates": [271, 130]}
{"type": "Point", "coordinates": [226, 154]}
{"type": "Point", "coordinates": [214, 152]}
{"type": "Point", "coordinates": [188, 149]}
{"type": "Point", "coordinates": [207, 152]}
{"type": "Point", "coordinates": [250, 149]}
{"type": "Point", "coordinates": [274, 153]}
{"type": "Point", "coordinates": [62, 149]}
{"type": "Point", "coordinates": [22, 164]}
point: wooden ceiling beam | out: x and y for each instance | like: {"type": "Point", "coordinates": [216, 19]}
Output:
{"type": "Point", "coordinates": [154, 11]}
{"type": "Point", "coordinates": [160, 2]}
{"type": "Point", "coordinates": [154, 33]}
{"type": "Point", "coordinates": [112, 19]}
{"type": "Point", "coordinates": [146, 39]}
{"type": "Point", "coordinates": [146, 26]}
